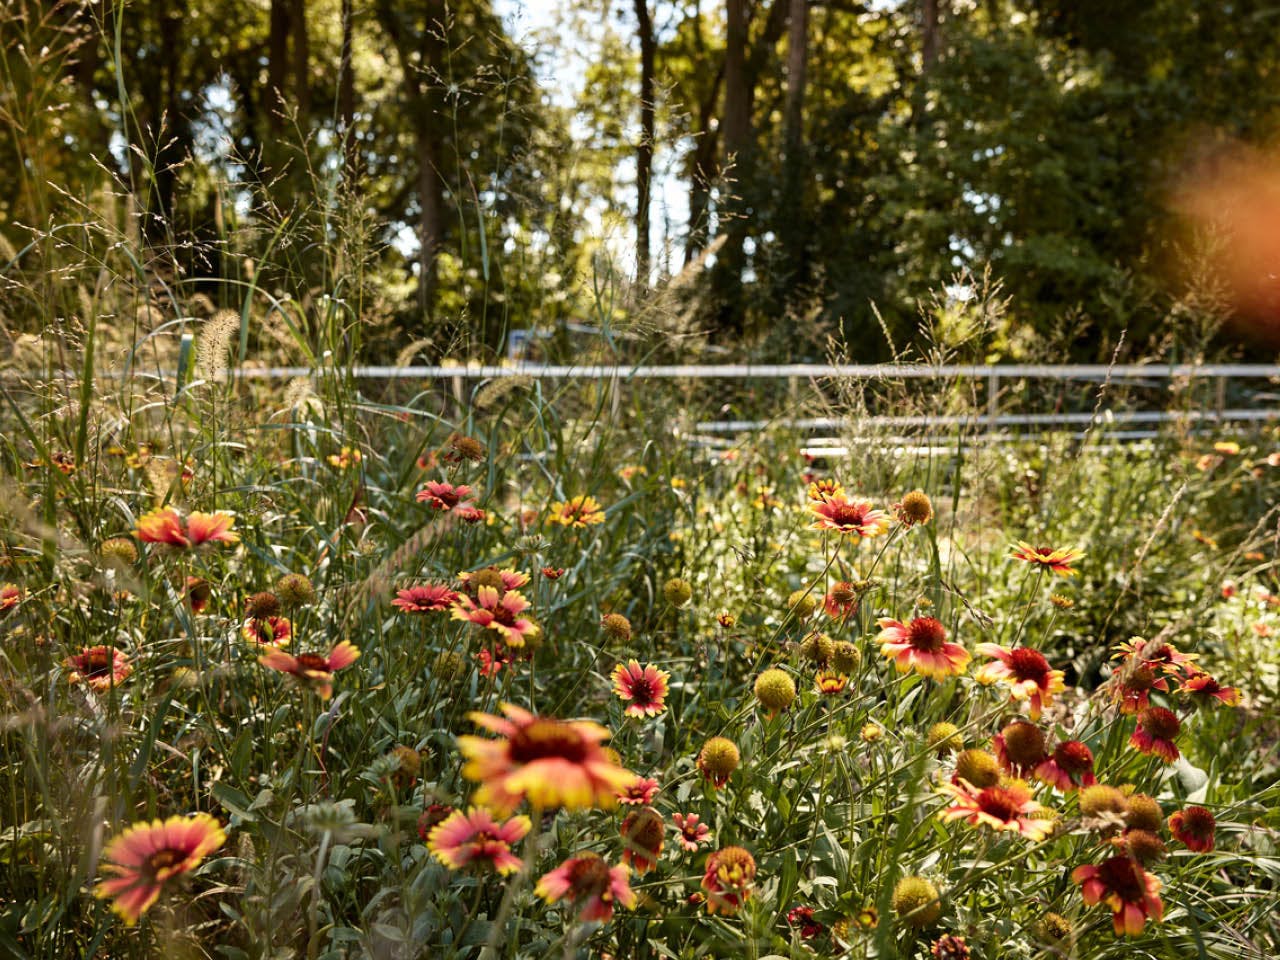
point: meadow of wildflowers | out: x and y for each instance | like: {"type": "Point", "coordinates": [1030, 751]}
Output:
{"type": "Point", "coordinates": [357, 677]}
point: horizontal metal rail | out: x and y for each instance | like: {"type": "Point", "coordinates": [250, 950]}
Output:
{"type": "Point", "coordinates": [1003, 420]}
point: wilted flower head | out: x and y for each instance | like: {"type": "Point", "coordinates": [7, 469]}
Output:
{"type": "Point", "coordinates": [1129, 891]}
{"type": "Point", "coordinates": [817, 648]}
{"type": "Point", "coordinates": [915, 507]}
{"type": "Point", "coordinates": [295, 590]}
{"type": "Point", "coordinates": [643, 832]}
{"type": "Point", "coordinates": [944, 738]}
{"type": "Point", "coordinates": [1193, 826]}
{"type": "Point", "coordinates": [616, 626]}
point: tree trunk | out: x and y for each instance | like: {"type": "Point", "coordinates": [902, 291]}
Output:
{"type": "Point", "coordinates": [793, 207]}
{"type": "Point", "coordinates": [737, 134]}
{"type": "Point", "coordinates": [430, 215]}
{"type": "Point", "coordinates": [644, 151]}
{"type": "Point", "coordinates": [347, 96]}
{"type": "Point", "coordinates": [301, 56]}
{"type": "Point", "coordinates": [930, 39]}
{"type": "Point", "coordinates": [277, 61]}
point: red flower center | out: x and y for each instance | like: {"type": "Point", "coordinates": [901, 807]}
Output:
{"type": "Point", "coordinates": [1197, 822]}
{"type": "Point", "coordinates": [588, 877]}
{"type": "Point", "coordinates": [546, 739]}
{"type": "Point", "coordinates": [641, 690]}
{"type": "Point", "coordinates": [312, 661]}
{"type": "Point", "coordinates": [1073, 756]}
{"type": "Point", "coordinates": [1028, 664]}
{"type": "Point", "coordinates": [846, 514]}
{"type": "Point", "coordinates": [1141, 679]}
{"type": "Point", "coordinates": [1122, 876]}
{"type": "Point", "coordinates": [926, 634]}
{"type": "Point", "coordinates": [162, 859]}
{"type": "Point", "coordinates": [95, 665]}
{"type": "Point", "coordinates": [999, 803]}
{"type": "Point", "coordinates": [1160, 723]}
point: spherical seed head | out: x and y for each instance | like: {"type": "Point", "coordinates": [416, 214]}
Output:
{"type": "Point", "coordinates": [1144, 846]}
{"type": "Point", "coordinates": [718, 759]}
{"type": "Point", "coordinates": [916, 507]}
{"type": "Point", "coordinates": [448, 664]}
{"type": "Point", "coordinates": [915, 901]}
{"type": "Point", "coordinates": [945, 738]}
{"type": "Point", "coordinates": [616, 626]}
{"type": "Point", "coordinates": [979, 767]}
{"type": "Point", "coordinates": [817, 647]}
{"type": "Point", "coordinates": [466, 448]}
{"type": "Point", "coordinates": [846, 657]}
{"type": "Point", "coordinates": [802, 603]}
{"type": "Point", "coordinates": [488, 577]}
{"type": "Point", "coordinates": [1144, 813]}
{"type": "Point", "coordinates": [119, 552]}
{"type": "Point", "coordinates": [1024, 742]}
{"type": "Point", "coordinates": [1101, 800]}
{"type": "Point", "coordinates": [871, 732]}
{"type": "Point", "coordinates": [295, 590]}
{"type": "Point", "coordinates": [1055, 928]}
{"type": "Point", "coordinates": [775, 690]}
{"type": "Point", "coordinates": [263, 605]}
{"type": "Point", "coordinates": [677, 591]}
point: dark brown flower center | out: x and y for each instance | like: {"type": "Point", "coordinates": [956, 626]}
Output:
{"type": "Point", "coordinates": [545, 739]}
{"type": "Point", "coordinates": [312, 661]}
{"type": "Point", "coordinates": [1160, 723]}
{"type": "Point", "coordinates": [999, 803]}
{"type": "Point", "coordinates": [1122, 876]}
{"type": "Point", "coordinates": [1029, 664]}
{"type": "Point", "coordinates": [588, 877]}
{"type": "Point", "coordinates": [96, 665]}
{"type": "Point", "coordinates": [162, 859]}
{"type": "Point", "coordinates": [1073, 756]}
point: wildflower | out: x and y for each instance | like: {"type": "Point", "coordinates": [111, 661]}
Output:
{"type": "Point", "coordinates": [1157, 655]}
{"type": "Point", "coordinates": [1143, 846]}
{"type": "Point", "coordinates": [424, 598]}
{"type": "Point", "coordinates": [1048, 558]}
{"type": "Point", "coordinates": [846, 516]}
{"type": "Point", "coordinates": [978, 767]}
{"type": "Point", "coordinates": [1026, 673]}
{"type": "Point", "coordinates": [1019, 747]}
{"type": "Point", "coordinates": [1103, 808]}
{"type": "Point", "coordinates": [408, 765]}
{"type": "Point", "coordinates": [629, 472]}
{"type": "Point", "coordinates": [1129, 891]}
{"type": "Point", "coordinates": [10, 596]}
{"type": "Point", "coordinates": [1062, 603]}
{"type": "Point", "coordinates": [802, 917]}
{"type": "Point", "coordinates": [198, 594]}
{"type": "Point", "coordinates": [1228, 447]}
{"type": "Point", "coordinates": [944, 738]}
{"type": "Point", "coordinates": [1203, 688]}
{"type": "Point", "coordinates": [1130, 687]}
{"type": "Point", "coordinates": [435, 813]}
{"type": "Point", "coordinates": [616, 626]}
{"type": "Point", "coordinates": [146, 856]}
{"type": "Point", "coordinates": [640, 792]}
{"type": "Point", "coordinates": [119, 552]}
{"type": "Point", "coordinates": [1194, 827]}
{"type": "Point", "coordinates": [677, 591]}
{"type": "Point", "coordinates": [841, 601]}
{"type": "Point", "coordinates": [295, 590]}
{"type": "Point", "coordinates": [868, 918]}
{"type": "Point", "coordinates": [802, 603]}
{"type": "Point", "coordinates": [552, 763]}
{"type": "Point", "coordinates": [491, 663]}
{"type": "Point", "coordinates": [718, 759]}
{"type": "Point", "coordinates": [728, 879]}
{"type": "Point", "coordinates": [915, 507]}
{"type": "Point", "coordinates": [830, 682]}
{"type": "Point", "coordinates": [461, 447]}
{"type": "Point", "coordinates": [1055, 928]}
{"type": "Point", "coordinates": [643, 831]}
{"type": "Point", "coordinates": [921, 645]}
{"type": "Point", "coordinates": [775, 690]}
{"type": "Point", "coordinates": [100, 667]}
{"type": "Point", "coordinates": [871, 732]}
{"type": "Point", "coordinates": [498, 612]}
{"type": "Point", "coordinates": [442, 495]}
{"type": "Point", "coordinates": [267, 631]}
{"type": "Point", "coordinates": [165, 526]}
{"type": "Point", "coordinates": [503, 580]}
{"type": "Point", "coordinates": [846, 657]}
{"type": "Point", "coordinates": [1143, 813]}
{"type": "Point", "coordinates": [950, 947]}
{"type": "Point", "coordinates": [820, 491]}
{"type": "Point", "coordinates": [817, 648]}
{"type": "Point", "coordinates": [475, 837]}
{"type": "Point", "coordinates": [345, 458]}
{"type": "Point", "coordinates": [915, 900]}
{"type": "Point", "coordinates": [1007, 807]}
{"type": "Point", "coordinates": [468, 513]}
{"type": "Point", "coordinates": [263, 604]}
{"type": "Point", "coordinates": [727, 620]}
{"type": "Point", "coordinates": [1156, 730]}
{"type": "Point", "coordinates": [1069, 767]}
{"type": "Point", "coordinates": [692, 833]}
{"type": "Point", "coordinates": [578, 512]}
{"type": "Point", "coordinates": [313, 669]}
{"type": "Point", "coordinates": [644, 689]}
{"type": "Point", "coordinates": [590, 884]}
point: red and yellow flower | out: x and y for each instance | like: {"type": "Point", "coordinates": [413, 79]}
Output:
{"type": "Point", "coordinates": [100, 667]}
{"type": "Point", "coordinates": [1024, 671]}
{"type": "Point", "coordinates": [1005, 807]}
{"type": "Point", "coordinates": [552, 763]}
{"type": "Point", "coordinates": [1193, 826]}
{"type": "Point", "coordinates": [921, 645]}
{"type": "Point", "coordinates": [728, 878]}
{"type": "Point", "coordinates": [507, 578]}
{"type": "Point", "coordinates": [148, 855]}
{"type": "Point", "coordinates": [590, 884]}
{"type": "Point", "coordinates": [443, 496]}
{"type": "Point", "coordinates": [831, 682]}
{"type": "Point", "coordinates": [1202, 688]}
{"type": "Point", "coordinates": [643, 832]}
{"type": "Point", "coordinates": [10, 596]}
{"type": "Point", "coordinates": [425, 598]}
{"type": "Point", "coordinates": [643, 689]}
{"type": "Point", "coordinates": [313, 670]}
{"type": "Point", "coordinates": [475, 838]}
{"type": "Point", "coordinates": [692, 833]}
{"type": "Point", "coordinates": [1057, 560]}
{"type": "Point", "coordinates": [844, 516]}
{"type": "Point", "coordinates": [1157, 728]}
{"type": "Point", "coordinates": [500, 612]}
{"type": "Point", "coordinates": [1069, 767]}
{"type": "Point", "coordinates": [820, 491]}
{"type": "Point", "coordinates": [640, 792]}
{"type": "Point", "coordinates": [268, 631]}
{"type": "Point", "coordinates": [165, 526]}
{"type": "Point", "coordinates": [1126, 888]}
{"type": "Point", "coordinates": [579, 512]}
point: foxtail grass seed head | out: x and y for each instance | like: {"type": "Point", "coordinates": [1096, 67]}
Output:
{"type": "Point", "coordinates": [775, 690]}
{"type": "Point", "coordinates": [979, 767]}
{"type": "Point", "coordinates": [616, 627]}
{"type": "Point", "coordinates": [817, 648]}
{"type": "Point", "coordinates": [295, 590]}
{"type": "Point", "coordinates": [802, 604]}
{"type": "Point", "coordinates": [944, 738]}
{"type": "Point", "coordinates": [718, 759]}
{"type": "Point", "coordinates": [119, 552]}
{"type": "Point", "coordinates": [846, 657]}
{"type": "Point", "coordinates": [916, 902]}
{"type": "Point", "coordinates": [677, 591]}
{"type": "Point", "coordinates": [262, 605]}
